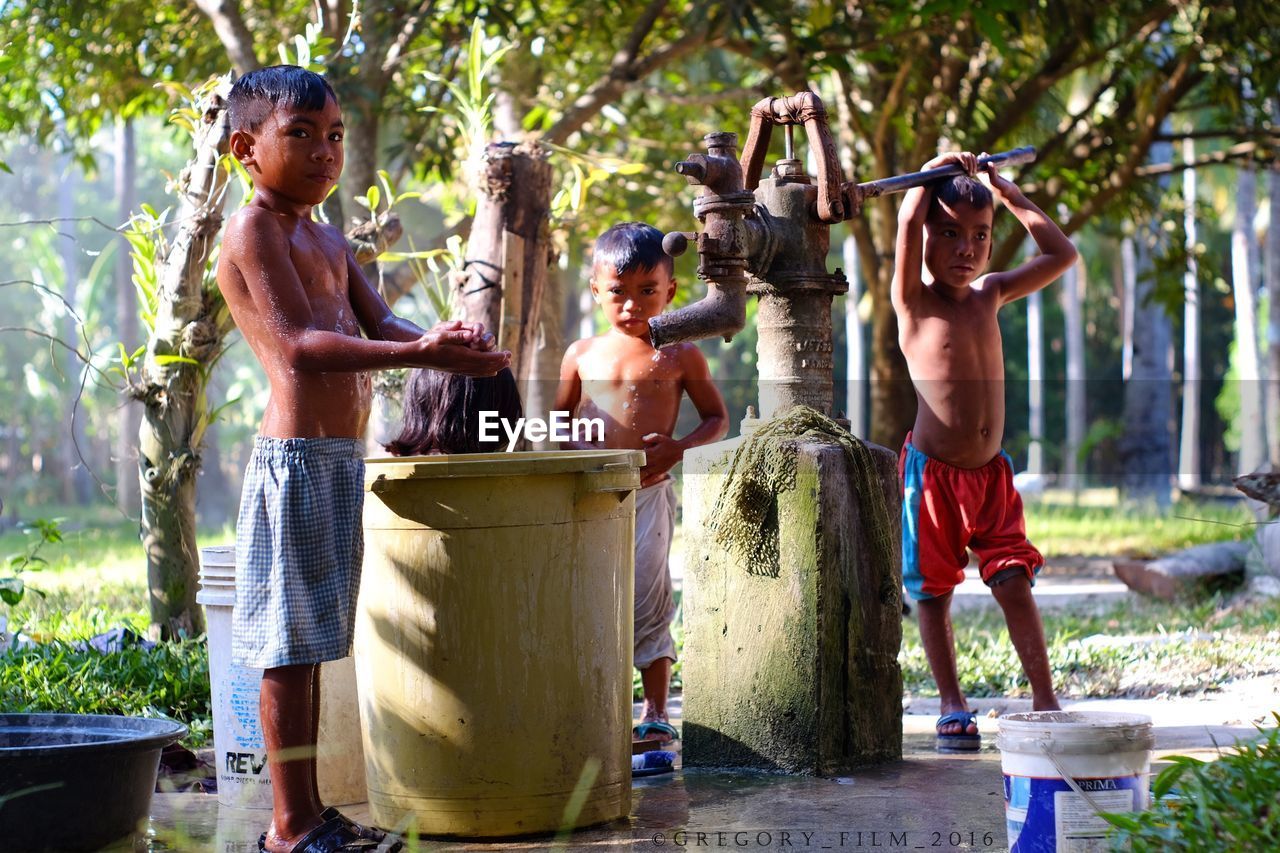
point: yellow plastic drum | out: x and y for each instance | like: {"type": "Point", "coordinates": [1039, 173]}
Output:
{"type": "Point", "coordinates": [493, 641]}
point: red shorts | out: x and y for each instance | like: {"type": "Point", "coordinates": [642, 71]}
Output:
{"type": "Point", "coordinates": [946, 510]}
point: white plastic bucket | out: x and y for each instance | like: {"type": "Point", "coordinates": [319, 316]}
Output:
{"type": "Point", "coordinates": [239, 751]}
{"type": "Point", "coordinates": [1063, 767]}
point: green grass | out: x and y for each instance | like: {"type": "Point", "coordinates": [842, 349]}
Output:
{"type": "Point", "coordinates": [1098, 525]}
{"type": "Point", "coordinates": [1192, 648]}
{"type": "Point", "coordinates": [1226, 804]}
{"type": "Point", "coordinates": [94, 581]}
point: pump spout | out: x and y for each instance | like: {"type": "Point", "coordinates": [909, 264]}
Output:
{"type": "Point", "coordinates": [721, 313]}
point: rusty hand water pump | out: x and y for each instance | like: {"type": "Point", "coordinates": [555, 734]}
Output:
{"type": "Point", "coordinates": [770, 237]}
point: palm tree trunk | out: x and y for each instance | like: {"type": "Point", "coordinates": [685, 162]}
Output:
{"type": "Point", "coordinates": [1189, 453]}
{"type": "Point", "coordinates": [1273, 312]}
{"type": "Point", "coordinates": [856, 355]}
{"type": "Point", "coordinates": [1073, 290]}
{"type": "Point", "coordinates": [1251, 420]}
{"type": "Point", "coordinates": [77, 486]}
{"type": "Point", "coordinates": [126, 182]}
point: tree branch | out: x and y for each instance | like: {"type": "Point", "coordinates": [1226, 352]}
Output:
{"type": "Point", "coordinates": [232, 32]}
{"type": "Point", "coordinates": [891, 104]}
{"type": "Point", "coordinates": [1057, 66]}
{"type": "Point", "coordinates": [1224, 132]}
{"type": "Point", "coordinates": [622, 75]}
{"type": "Point", "coordinates": [1245, 150]}
{"type": "Point", "coordinates": [412, 26]}
{"type": "Point", "coordinates": [1180, 81]}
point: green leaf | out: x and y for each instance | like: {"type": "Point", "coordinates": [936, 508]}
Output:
{"type": "Point", "coordinates": [11, 590]}
{"type": "Point", "coordinates": [174, 359]}
{"type": "Point", "coordinates": [303, 50]}
{"type": "Point", "coordinates": [1167, 778]}
{"type": "Point", "coordinates": [1123, 821]}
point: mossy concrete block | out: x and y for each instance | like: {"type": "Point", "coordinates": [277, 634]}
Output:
{"type": "Point", "coordinates": [796, 673]}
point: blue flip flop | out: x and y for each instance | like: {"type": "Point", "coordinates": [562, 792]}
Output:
{"type": "Point", "coordinates": [652, 763]}
{"type": "Point", "coordinates": [963, 742]}
{"type": "Point", "coordinates": [668, 731]}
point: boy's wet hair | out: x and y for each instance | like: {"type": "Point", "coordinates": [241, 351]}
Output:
{"type": "Point", "coordinates": [256, 94]}
{"type": "Point", "coordinates": [632, 247]}
{"type": "Point", "coordinates": [442, 412]}
{"type": "Point", "coordinates": [959, 189]}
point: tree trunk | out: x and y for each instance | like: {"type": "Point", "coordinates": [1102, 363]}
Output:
{"type": "Point", "coordinates": [77, 487]}
{"type": "Point", "coordinates": [190, 324]}
{"type": "Point", "coordinates": [361, 168]}
{"type": "Point", "coordinates": [512, 216]}
{"type": "Point", "coordinates": [126, 185]}
{"type": "Point", "coordinates": [1273, 311]}
{"type": "Point", "coordinates": [893, 398]}
{"type": "Point", "coordinates": [1251, 420]}
{"type": "Point", "coordinates": [544, 373]}
{"type": "Point", "coordinates": [1189, 454]}
{"type": "Point", "coordinates": [1126, 265]}
{"type": "Point", "coordinates": [1146, 447]}
{"type": "Point", "coordinates": [1074, 287]}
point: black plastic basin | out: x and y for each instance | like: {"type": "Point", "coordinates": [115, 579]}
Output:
{"type": "Point", "coordinates": [77, 781]}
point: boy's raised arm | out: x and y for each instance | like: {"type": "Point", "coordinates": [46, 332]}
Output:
{"type": "Point", "coordinates": [1057, 253]}
{"type": "Point", "coordinates": [908, 255]}
{"type": "Point", "coordinates": [908, 250]}
{"type": "Point", "coordinates": [258, 255]}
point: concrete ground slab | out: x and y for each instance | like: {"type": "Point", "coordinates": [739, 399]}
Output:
{"type": "Point", "coordinates": [1052, 590]}
{"type": "Point", "coordinates": [926, 802]}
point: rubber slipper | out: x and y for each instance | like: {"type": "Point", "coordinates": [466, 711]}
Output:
{"type": "Point", "coordinates": [652, 763]}
{"type": "Point", "coordinates": [666, 731]}
{"type": "Point", "coordinates": [963, 742]}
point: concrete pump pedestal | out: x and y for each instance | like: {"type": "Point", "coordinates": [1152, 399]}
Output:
{"type": "Point", "coordinates": [796, 673]}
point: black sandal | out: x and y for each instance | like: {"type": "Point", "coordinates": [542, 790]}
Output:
{"type": "Point", "coordinates": [336, 835]}
{"type": "Point", "coordinates": [370, 832]}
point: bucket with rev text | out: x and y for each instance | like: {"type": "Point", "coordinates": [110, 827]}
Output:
{"type": "Point", "coordinates": [1061, 768]}
{"type": "Point", "coordinates": [239, 751]}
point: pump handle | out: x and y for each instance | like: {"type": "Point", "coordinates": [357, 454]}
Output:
{"type": "Point", "coordinates": [901, 183]}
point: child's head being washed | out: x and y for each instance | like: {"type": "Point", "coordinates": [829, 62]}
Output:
{"type": "Point", "coordinates": [442, 412]}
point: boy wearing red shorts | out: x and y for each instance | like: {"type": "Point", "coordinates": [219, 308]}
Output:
{"type": "Point", "coordinates": [958, 483]}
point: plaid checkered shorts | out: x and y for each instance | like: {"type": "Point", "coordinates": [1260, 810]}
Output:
{"type": "Point", "coordinates": [299, 546]}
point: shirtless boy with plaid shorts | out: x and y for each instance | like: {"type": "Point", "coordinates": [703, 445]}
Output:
{"type": "Point", "coordinates": [302, 304]}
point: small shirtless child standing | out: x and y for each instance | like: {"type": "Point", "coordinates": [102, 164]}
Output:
{"type": "Point", "coordinates": [957, 483]}
{"type": "Point", "coordinates": [301, 302]}
{"type": "Point", "coordinates": [620, 378]}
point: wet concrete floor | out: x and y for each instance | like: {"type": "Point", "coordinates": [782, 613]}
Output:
{"type": "Point", "coordinates": [925, 802]}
